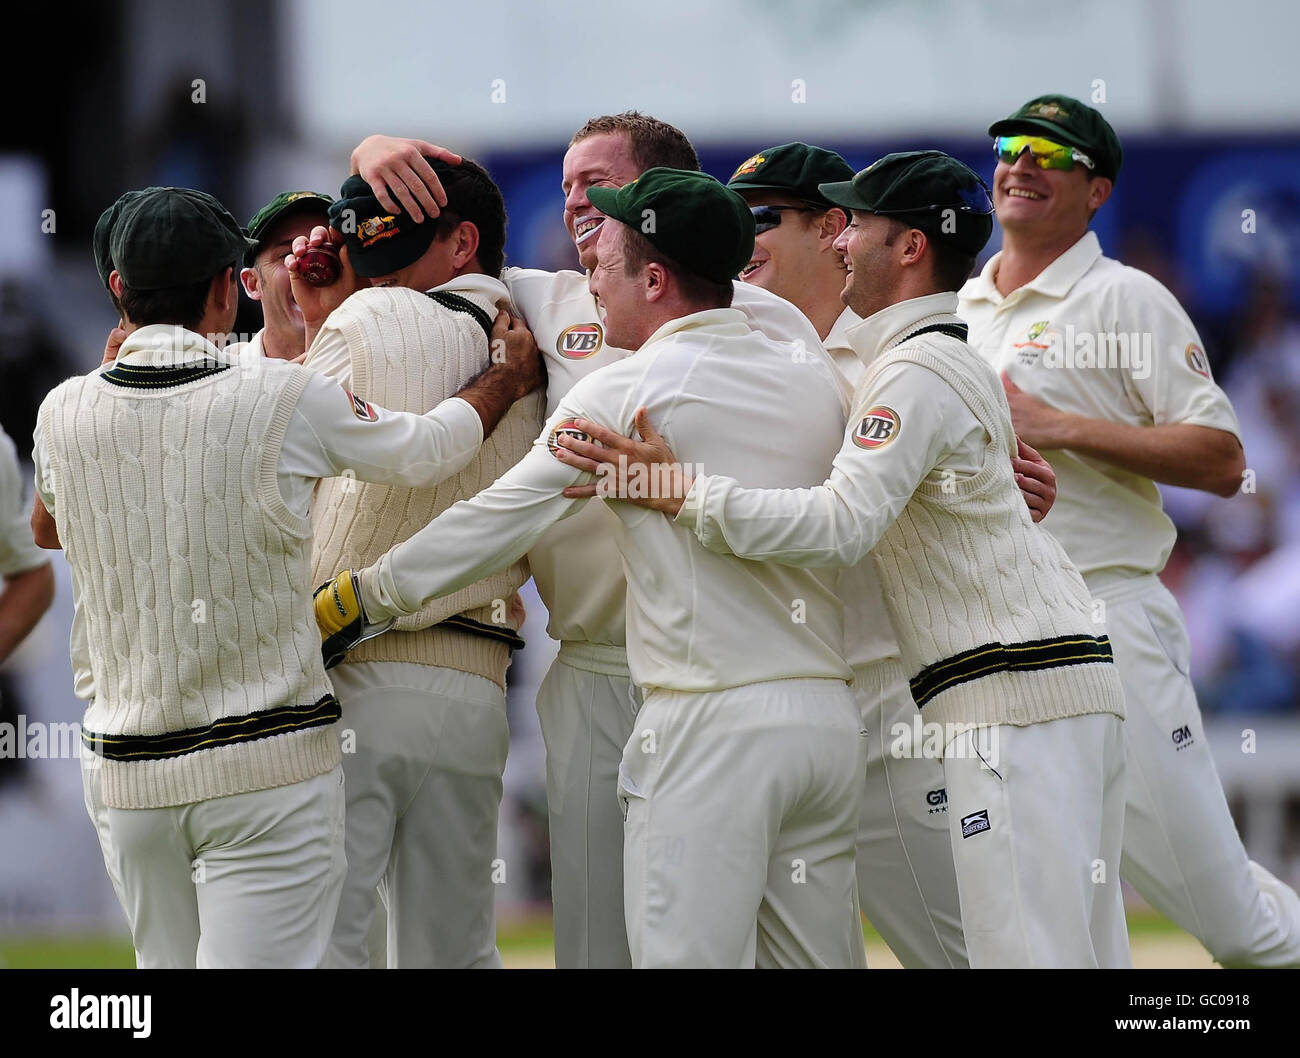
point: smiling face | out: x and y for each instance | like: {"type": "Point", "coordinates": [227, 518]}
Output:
{"type": "Point", "coordinates": [798, 249]}
{"type": "Point", "coordinates": [871, 263]}
{"type": "Point", "coordinates": [1048, 201]}
{"type": "Point", "coordinates": [620, 295]}
{"type": "Point", "coordinates": [601, 160]}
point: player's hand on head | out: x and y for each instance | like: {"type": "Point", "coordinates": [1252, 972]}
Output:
{"type": "Point", "coordinates": [113, 346]}
{"type": "Point", "coordinates": [513, 351]}
{"type": "Point", "coordinates": [643, 471]}
{"type": "Point", "coordinates": [400, 177]}
{"type": "Point", "coordinates": [1036, 478]}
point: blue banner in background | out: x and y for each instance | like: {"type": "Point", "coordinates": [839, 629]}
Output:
{"type": "Point", "coordinates": [1205, 215]}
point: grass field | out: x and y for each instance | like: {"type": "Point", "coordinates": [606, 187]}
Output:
{"type": "Point", "coordinates": [526, 944]}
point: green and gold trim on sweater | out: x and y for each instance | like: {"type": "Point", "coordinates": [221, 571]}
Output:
{"type": "Point", "coordinates": [990, 658]}
{"type": "Point", "coordinates": [229, 730]}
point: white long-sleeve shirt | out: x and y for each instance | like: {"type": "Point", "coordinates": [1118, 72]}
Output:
{"type": "Point", "coordinates": [578, 574]}
{"type": "Point", "coordinates": [724, 396]}
{"type": "Point", "coordinates": [926, 433]}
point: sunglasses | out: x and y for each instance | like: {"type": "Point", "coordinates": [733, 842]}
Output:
{"type": "Point", "coordinates": [974, 200]}
{"type": "Point", "coordinates": [1047, 154]}
{"type": "Point", "coordinates": [768, 217]}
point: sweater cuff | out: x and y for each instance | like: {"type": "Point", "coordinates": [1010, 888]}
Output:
{"type": "Point", "coordinates": [464, 419]}
{"type": "Point", "coordinates": [695, 515]}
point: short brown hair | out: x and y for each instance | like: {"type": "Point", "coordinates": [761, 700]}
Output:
{"type": "Point", "coordinates": [654, 142]}
{"type": "Point", "coordinates": [638, 251]}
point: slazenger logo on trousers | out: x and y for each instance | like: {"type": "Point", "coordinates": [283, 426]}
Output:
{"type": "Point", "coordinates": [76, 1011]}
{"type": "Point", "coordinates": [975, 823]}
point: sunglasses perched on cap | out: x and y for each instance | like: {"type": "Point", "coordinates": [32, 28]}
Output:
{"type": "Point", "coordinates": [768, 217]}
{"type": "Point", "coordinates": [973, 200]}
{"type": "Point", "coordinates": [1047, 154]}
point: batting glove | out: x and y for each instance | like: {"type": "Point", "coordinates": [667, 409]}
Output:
{"type": "Point", "coordinates": [341, 618]}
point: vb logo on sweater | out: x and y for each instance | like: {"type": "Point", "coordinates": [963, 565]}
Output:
{"type": "Point", "coordinates": [580, 341]}
{"type": "Point", "coordinates": [878, 427]}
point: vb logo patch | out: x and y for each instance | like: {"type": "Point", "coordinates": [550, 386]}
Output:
{"type": "Point", "coordinates": [362, 409]}
{"type": "Point", "coordinates": [580, 341]}
{"type": "Point", "coordinates": [975, 823]}
{"type": "Point", "coordinates": [567, 427]}
{"type": "Point", "coordinates": [878, 427]}
{"type": "Point", "coordinates": [1197, 360]}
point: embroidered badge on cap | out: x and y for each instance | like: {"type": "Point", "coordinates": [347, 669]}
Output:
{"type": "Point", "coordinates": [565, 426]}
{"type": "Point", "coordinates": [878, 427]}
{"type": "Point", "coordinates": [749, 165]}
{"type": "Point", "coordinates": [361, 409]}
{"type": "Point", "coordinates": [580, 341]}
{"type": "Point", "coordinates": [372, 229]}
{"type": "Point", "coordinates": [1197, 360]}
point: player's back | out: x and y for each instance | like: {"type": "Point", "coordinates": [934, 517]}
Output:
{"type": "Point", "coordinates": [730, 401]}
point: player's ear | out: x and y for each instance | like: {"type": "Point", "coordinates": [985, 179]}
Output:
{"type": "Point", "coordinates": [224, 291]}
{"type": "Point", "coordinates": [116, 283]}
{"type": "Point", "coordinates": [655, 279]}
{"type": "Point", "coordinates": [912, 246]}
{"type": "Point", "coordinates": [464, 243]}
{"type": "Point", "coordinates": [252, 281]}
{"type": "Point", "coordinates": [1099, 189]}
{"type": "Point", "coordinates": [833, 221]}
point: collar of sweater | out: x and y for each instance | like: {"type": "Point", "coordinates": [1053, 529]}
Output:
{"type": "Point", "coordinates": [487, 292]}
{"type": "Point", "coordinates": [1056, 280]}
{"type": "Point", "coordinates": [710, 321]}
{"type": "Point", "coordinates": [165, 345]}
{"type": "Point", "coordinates": [884, 329]}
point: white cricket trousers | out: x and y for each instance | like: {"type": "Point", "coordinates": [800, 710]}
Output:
{"type": "Point", "coordinates": [246, 881]}
{"type": "Point", "coordinates": [1036, 817]}
{"type": "Point", "coordinates": [742, 812]}
{"type": "Point", "coordinates": [1181, 848]}
{"type": "Point", "coordinates": [424, 754]}
{"type": "Point", "coordinates": [907, 885]}
{"type": "Point", "coordinates": [586, 707]}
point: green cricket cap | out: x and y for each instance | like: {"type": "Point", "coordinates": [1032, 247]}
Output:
{"type": "Point", "coordinates": [1066, 120]}
{"type": "Point", "coordinates": [928, 190]}
{"type": "Point", "coordinates": [798, 168]}
{"type": "Point", "coordinates": [284, 204]}
{"type": "Point", "coordinates": [689, 217]}
{"type": "Point", "coordinates": [104, 232]}
{"type": "Point", "coordinates": [172, 237]}
{"type": "Point", "coordinates": [380, 241]}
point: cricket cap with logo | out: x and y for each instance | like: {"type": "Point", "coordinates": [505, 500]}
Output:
{"type": "Point", "coordinates": [798, 168]}
{"type": "Point", "coordinates": [380, 241]}
{"type": "Point", "coordinates": [284, 204]}
{"type": "Point", "coordinates": [689, 217]}
{"type": "Point", "coordinates": [173, 237]}
{"type": "Point", "coordinates": [928, 190]}
{"type": "Point", "coordinates": [1067, 121]}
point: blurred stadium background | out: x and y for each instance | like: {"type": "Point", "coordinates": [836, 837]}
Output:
{"type": "Point", "coordinates": [244, 98]}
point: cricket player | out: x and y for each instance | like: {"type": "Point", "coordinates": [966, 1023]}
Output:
{"type": "Point", "coordinates": [426, 703]}
{"type": "Point", "coordinates": [714, 874]}
{"type": "Point", "coordinates": [906, 883]}
{"type": "Point", "coordinates": [994, 624]}
{"type": "Point", "coordinates": [179, 489]}
{"type": "Point", "coordinates": [265, 277]}
{"type": "Point", "coordinates": [587, 703]}
{"type": "Point", "coordinates": [1106, 374]}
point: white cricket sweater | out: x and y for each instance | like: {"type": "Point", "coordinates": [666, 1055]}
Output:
{"type": "Point", "coordinates": [409, 352]}
{"type": "Point", "coordinates": [193, 573]}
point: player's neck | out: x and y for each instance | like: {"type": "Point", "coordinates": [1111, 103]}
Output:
{"type": "Point", "coordinates": [282, 343]}
{"type": "Point", "coordinates": [1026, 253]}
{"type": "Point", "coordinates": [822, 305]}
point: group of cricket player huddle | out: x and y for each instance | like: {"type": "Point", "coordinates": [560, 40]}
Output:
{"type": "Point", "coordinates": [861, 649]}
